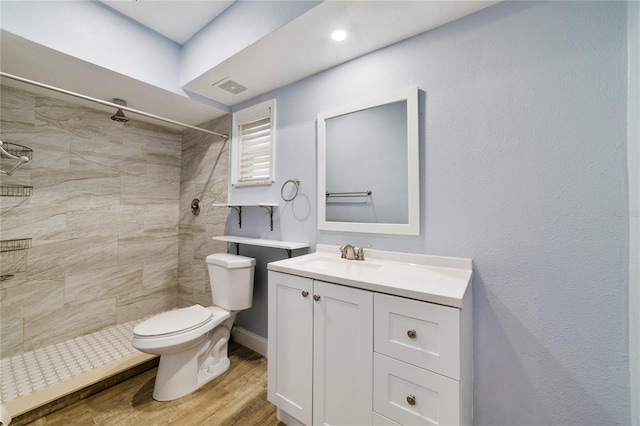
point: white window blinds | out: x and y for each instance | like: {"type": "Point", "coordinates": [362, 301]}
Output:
{"type": "Point", "coordinates": [254, 145]}
{"type": "Point", "coordinates": [255, 151]}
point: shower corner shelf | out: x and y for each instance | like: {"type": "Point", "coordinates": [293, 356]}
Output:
{"type": "Point", "coordinates": [18, 150]}
{"type": "Point", "coordinates": [15, 245]}
{"type": "Point", "coordinates": [16, 191]}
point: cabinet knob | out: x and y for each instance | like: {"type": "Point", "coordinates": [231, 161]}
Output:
{"type": "Point", "coordinates": [411, 399]}
{"type": "Point", "coordinates": [316, 297]}
{"type": "Point", "coordinates": [305, 293]}
{"type": "Point", "coordinates": [411, 334]}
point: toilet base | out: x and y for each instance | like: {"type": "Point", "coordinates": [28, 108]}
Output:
{"type": "Point", "coordinates": [181, 373]}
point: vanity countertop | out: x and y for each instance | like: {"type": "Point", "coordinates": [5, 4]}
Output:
{"type": "Point", "coordinates": [436, 279]}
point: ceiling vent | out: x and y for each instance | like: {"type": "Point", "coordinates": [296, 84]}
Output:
{"type": "Point", "coordinates": [232, 87]}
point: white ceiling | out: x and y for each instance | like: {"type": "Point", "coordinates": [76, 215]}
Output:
{"type": "Point", "coordinates": [304, 47]}
{"type": "Point", "coordinates": [178, 20]}
{"type": "Point", "coordinates": [294, 51]}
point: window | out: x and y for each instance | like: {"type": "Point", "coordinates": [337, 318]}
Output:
{"type": "Point", "coordinates": [253, 145]}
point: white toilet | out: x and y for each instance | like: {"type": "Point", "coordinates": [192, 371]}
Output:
{"type": "Point", "coordinates": [192, 342]}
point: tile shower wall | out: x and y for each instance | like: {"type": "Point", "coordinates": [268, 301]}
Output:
{"type": "Point", "coordinates": [103, 217]}
{"type": "Point", "coordinates": [205, 170]}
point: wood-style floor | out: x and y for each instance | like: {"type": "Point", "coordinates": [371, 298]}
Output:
{"type": "Point", "coordinates": [238, 397]}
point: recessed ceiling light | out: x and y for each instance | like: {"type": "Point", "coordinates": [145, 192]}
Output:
{"type": "Point", "coordinates": [339, 35]}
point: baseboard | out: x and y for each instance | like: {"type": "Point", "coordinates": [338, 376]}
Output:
{"type": "Point", "coordinates": [250, 340]}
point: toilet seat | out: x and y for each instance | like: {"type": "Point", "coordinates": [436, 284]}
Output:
{"type": "Point", "coordinates": [173, 322]}
{"type": "Point", "coordinates": [184, 325]}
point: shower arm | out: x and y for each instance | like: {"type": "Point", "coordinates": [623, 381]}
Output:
{"type": "Point", "coordinates": [109, 104]}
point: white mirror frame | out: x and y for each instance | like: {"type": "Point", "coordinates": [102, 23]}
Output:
{"type": "Point", "coordinates": [410, 95]}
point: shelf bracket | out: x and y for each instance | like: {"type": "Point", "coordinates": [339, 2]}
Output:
{"type": "Point", "coordinates": [270, 210]}
{"type": "Point", "coordinates": [239, 210]}
{"type": "Point", "coordinates": [288, 253]}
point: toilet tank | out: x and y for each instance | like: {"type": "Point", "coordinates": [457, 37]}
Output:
{"type": "Point", "coordinates": [231, 279]}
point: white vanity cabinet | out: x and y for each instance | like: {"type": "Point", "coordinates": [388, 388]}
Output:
{"type": "Point", "coordinates": [321, 340]}
{"type": "Point", "coordinates": [378, 342]}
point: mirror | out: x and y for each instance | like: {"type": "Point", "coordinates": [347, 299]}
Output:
{"type": "Point", "coordinates": [368, 166]}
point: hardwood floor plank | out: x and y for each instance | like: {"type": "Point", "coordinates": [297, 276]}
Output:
{"type": "Point", "coordinates": [238, 397]}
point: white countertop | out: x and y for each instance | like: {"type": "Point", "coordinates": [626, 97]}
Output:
{"type": "Point", "coordinates": [436, 279]}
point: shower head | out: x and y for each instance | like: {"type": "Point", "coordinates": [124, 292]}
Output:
{"type": "Point", "coordinates": [119, 115]}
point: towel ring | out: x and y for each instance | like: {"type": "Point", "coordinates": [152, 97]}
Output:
{"type": "Point", "coordinates": [296, 182]}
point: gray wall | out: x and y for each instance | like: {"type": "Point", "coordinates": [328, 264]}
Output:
{"type": "Point", "coordinates": [523, 169]}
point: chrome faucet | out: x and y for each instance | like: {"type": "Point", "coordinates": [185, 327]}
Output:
{"type": "Point", "coordinates": [348, 252]}
{"type": "Point", "coordinates": [352, 253]}
{"type": "Point", "coordinates": [360, 252]}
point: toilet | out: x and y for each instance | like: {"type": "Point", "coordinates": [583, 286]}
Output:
{"type": "Point", "coordinates": [193, 342]}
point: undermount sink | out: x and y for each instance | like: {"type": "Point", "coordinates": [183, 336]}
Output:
{"type": "Point", "coordinates": [336, 264]}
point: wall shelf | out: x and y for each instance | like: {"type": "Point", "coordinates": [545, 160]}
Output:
{"type": "Point", "coordinates": [15, 245]}
{"type": "Point", "coordinates": [16, 191]}
{"type": "Point", "coordinates": [286, 245]}
{"type": "Point", "coordinates": [238, 208]}
{"type": "Point", "coordinates": [18, 150]}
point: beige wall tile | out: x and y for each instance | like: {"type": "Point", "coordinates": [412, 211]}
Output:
{"type": "Point", "coordinates": [13, 262]}
{"type": "Point", "coordinates": [23, 298]}
{"type": "Point", "coordinates": [77, 255]}
{"type": "Point", "coordinates": [48, 222]}
{"type": "Point", "coordinates": [72, 321]}
{"type": "Point", "coordinates": [160, 275]}
{"type": "Point", "coordinates": [10, 337]}
{"type": "Point", "coordinates": [74, 187]}
{"type": "Point", "coordinates": [153, 186]}
{"type": "Point", "coordinates": [17, 106]}
{"type": "Point", "coordinates": [161, 219]}
{"type": "Point", "coordinates": [107, 154]}
{"type": "Point", "coordinates": [142, 304]}
{"type": "Point", "coordinates": [82, 287]}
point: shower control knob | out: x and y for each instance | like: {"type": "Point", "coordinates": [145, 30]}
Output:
{"type": "Point", "coordinates": [316, 297]}
{"type": "Point", "coordinates": [305, 293]}
{"type": "Point", "coordinates": [411, 334]}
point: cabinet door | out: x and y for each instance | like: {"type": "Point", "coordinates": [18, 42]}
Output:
{"type": "Point", "coordinates": [343, 358]}
{"type": "Point", "coordinates": [290, 344]}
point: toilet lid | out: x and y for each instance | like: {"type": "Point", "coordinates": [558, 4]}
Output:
{"type": "Point", "coordinates": [172, 322]}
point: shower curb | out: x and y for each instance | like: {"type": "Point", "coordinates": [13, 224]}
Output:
{"type": "Point", "coordinates": [35, 405]}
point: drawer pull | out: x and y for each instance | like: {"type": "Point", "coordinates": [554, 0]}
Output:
{"type": "Point", "coordinates": [316, 297]}
{"type": "Point", "coordinates": [305, 293]}
{"type": "Point", "coordinates": [411, 334]}
{"type": "Point", "coordinates": [411, 399]}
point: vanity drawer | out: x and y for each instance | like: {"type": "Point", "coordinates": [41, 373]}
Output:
{"type": "Point", "coordinates": [420, 333]}
{"type": "Point", "coordinates": [410, 395]}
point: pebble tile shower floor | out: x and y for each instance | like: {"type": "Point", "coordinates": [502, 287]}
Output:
{"type": "Point", "coordinates": [32, 371]}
